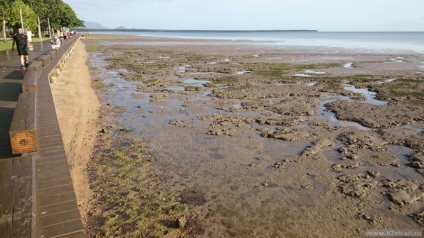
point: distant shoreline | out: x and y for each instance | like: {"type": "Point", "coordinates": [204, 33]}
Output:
{"type": "Point", "coordinates": [158, 30]}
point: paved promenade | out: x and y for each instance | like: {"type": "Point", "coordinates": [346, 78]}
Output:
{"type": "Point", "coordinates": [37, 197]}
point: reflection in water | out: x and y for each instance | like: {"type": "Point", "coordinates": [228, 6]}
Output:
{"type": "Point", "coordinates": [348, 65]}
{"type": "Point", "coordinates": [312, 84]}
{"type": "Point", "coordinates": [175, 88]}
{"type": "Point", "coordinates": [370, 96]}
{"type": "Point", "coordinates": [314, 72]}
{"type": "Point", "coordinates": [183, 69]}
{"type": "Point", "coordinates": [195, 82]}
{"type": "Point", "coordinates": [303, 75]}
{"type": "Point", "coordinates": [243, 72]}
{"type": "Point", "coordinates": [330, 117]}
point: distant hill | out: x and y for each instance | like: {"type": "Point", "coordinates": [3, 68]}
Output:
{"type": "Point", "coordinates": [94, 25]}
{"type": "Point", "coordinates": [121, 28]}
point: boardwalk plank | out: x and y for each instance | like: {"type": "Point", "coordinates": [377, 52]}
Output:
{"type": "Point", "coordinates": [15, 197]}
{"type": "Point", "coordinates": [62, 228]}
{"type": "Point", "coordinates": [64, 216]}
{"type": "Point", "coordinates": [57, 208]}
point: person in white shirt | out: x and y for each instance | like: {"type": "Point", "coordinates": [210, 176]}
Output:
{"type": "Point", "coordinates": [55, 43]}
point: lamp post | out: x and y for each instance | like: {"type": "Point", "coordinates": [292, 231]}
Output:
{"type": "Point", "coordinates": [22, 21]}
{"type": "Point", "coordinates": [50, 30]}
{"type": "Point", "coordinates": [40, 35]}
{"type": "Point", "coordinates": [4, 29]}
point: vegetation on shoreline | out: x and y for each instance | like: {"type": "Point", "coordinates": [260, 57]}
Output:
{"type": "Point", "coordinates": [53, 13]}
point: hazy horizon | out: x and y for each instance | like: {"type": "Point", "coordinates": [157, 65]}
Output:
{"type": "Point", "coordinates": [152, 29]}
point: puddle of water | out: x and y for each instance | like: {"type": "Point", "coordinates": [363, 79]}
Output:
{"type": "Point", "coordinates": [397, 173]}
{"type": "Point", "coordinates": [402, 172]}
{"type": "Point", "coordinates": [120, 85]}
{"type": "Point", "coordinates": [314, 72]}
{"type": "Point", "coordinates": [348, 65]}
{"type": "Point", "coordinates": [202, 73]}
{"type": "Point", "coordinates": [416, 128]}
{"type": "Point", "coordinates": [398, 59]}
{"type": "Point", "coordinates": [184, 68]}
{"type": "Point", "coordinates": [330, 117]}
{"type": "Point", "coordinates": [243, 72]}
{"type": "Point", "coordinates": [370, 96]}
{"type": "Point", "coordinates": [303, 75]}
{"type": "Point", "coordinates": [212, 63]}
{"type": "Point", "coordinates": [237, 106]}
{"type": "Point", "coordinates": [256, 56]}
{"type": "Point", "coordinates": [176, 88]}
{"type": "Point", "coordinates": [275, 58]}
{"type": "Point", "coordinates": [402, 152]}
{"type": "Point", "coordinates": [312, 84]}
{"type": "Point", "coordinates": [164, 57]}
{"type": "Point", "coordinates": [386, 172]}
{"type": "Point", "coordinates": [195, 82]}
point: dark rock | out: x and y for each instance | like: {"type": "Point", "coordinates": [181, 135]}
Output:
{"type": "Point", "coordinates": [373, 173]}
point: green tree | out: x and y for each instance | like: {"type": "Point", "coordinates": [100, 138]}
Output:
{"type": "Point", "coordinates": [59, 13]}
{"type": "Point", "coordinates": [67, 17]}
{"type": "Point", "coordinates": [41, 9]}
{"type": "Point", "coordinates": [28, 15]}
{"type": "Point", "coordinates": [5, 12]}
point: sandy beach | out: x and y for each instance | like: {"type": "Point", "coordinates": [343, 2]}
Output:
{"type": "Point", "coordinates": [197, 138]}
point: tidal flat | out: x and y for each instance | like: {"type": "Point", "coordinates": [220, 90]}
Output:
{"type": "Point", "coordinates": [230, 139]}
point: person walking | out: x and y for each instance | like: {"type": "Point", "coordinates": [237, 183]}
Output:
{"type": "Point", "coordinates": [22, 44]}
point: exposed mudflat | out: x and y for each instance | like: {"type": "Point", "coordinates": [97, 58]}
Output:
{"type": "Point", "coordinates": [222, 139]}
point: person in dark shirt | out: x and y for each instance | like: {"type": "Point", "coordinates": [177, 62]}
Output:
{"type": "Point", "coordinates": [22, 45]}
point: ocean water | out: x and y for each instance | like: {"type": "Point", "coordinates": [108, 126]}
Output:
{"type": "Point", "coordinates": [370, 41]}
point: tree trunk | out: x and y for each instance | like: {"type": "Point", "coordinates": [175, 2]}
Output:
{"type": "Point", "coordinates": [4, 31]}
{"type": "Point", "coordinates": [40, 34]}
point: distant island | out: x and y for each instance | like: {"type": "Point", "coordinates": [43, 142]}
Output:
{"type": "Point", "coordinates": [92, 25]}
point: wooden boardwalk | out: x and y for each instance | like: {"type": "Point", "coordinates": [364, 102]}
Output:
{"type": "Point", "coordinates": [38, 198]}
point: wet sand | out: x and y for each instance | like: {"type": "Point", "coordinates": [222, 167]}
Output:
{"type": "Point", "coordinates": [238, 140]}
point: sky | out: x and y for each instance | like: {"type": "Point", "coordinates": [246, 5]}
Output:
{"type": "Point", "coordinates": [322, 15]}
